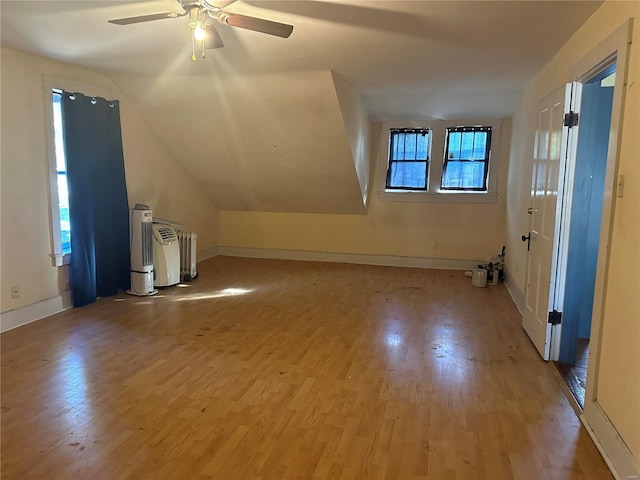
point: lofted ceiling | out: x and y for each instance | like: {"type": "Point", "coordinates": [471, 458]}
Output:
{"type": "Point", "coordinates": [262, 123]}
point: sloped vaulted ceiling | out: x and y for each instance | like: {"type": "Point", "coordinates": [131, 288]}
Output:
{"type": "Point", "coordinates": [263, 141]}
{"type": "Point", "coordinates": [269, 124]}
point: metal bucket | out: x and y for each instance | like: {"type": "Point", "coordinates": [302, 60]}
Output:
{"type": "Point", "coordinates": [479, 278]}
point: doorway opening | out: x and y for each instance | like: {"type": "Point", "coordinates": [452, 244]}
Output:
{"type": "Point", "coordinates": [587, 199]}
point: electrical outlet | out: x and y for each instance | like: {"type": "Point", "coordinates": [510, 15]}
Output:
{"type": "Point", "coordinates": [15, 291]}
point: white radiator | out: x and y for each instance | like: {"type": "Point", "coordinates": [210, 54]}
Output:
{"type": "Point", "coordinates": [187, 241]}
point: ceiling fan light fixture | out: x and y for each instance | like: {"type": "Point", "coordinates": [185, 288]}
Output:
{"type": "Point", "coordinates": [198, 32]}
{"type": "Point", "coordinates": [204, 13]}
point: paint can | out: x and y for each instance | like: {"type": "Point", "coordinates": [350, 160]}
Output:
{"type": "Point", "coordinates": [479, 278]}
{"type": "Point", "coordinates": [495, 273]}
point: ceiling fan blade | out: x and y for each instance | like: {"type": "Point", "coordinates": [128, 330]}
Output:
{"type": "Point", "coordinates": [370, 15]}
{"type": "Point", "coordinates": [256, 24]}
{"type": "Point", "coordinates": [146, 18]}
{"type": "Point", "coordinates": [212, 40]}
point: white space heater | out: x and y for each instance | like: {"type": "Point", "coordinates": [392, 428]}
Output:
{"type": "Point", "coordinates": [166, 255]}
{"type": "Point", "coordinates": [187, 241]}
{"type": "Point", "coordinates": [141, 252]}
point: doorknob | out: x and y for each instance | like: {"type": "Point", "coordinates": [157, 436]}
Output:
{"type": "Point", "coordinates": [530, 210]}
{"type": "Point", "coordinates": [527, 239]}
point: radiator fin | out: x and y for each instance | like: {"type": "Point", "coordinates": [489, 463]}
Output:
{"type": "Point", "coordinates": [188, 242]}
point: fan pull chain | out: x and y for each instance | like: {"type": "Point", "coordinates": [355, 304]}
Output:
{"type": "Point", "coordinates": [203, 48]}
{"type": "Point", "coordinates": [193, 47]}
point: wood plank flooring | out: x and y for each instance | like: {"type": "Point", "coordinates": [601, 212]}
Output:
{"type": "Point", "coordinates": [266, 369]}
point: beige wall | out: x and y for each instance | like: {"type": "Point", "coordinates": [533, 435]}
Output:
{"type": "Point", "coordinates": [618, 380]}
{"type": "Point", "coordinates": [153, 177]}
{"type": "Point", "coordinates": [429, 229]}
{"type": "Point", "coordinates": [356, 126]}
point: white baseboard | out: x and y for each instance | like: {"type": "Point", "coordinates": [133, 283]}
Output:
{"type": "Point", "coordinates": [514, 291]}
{"type": "Point", "coordinates": [363, 259]}
{"type": "Point", "coordinates": [206, 253]}
{"type": "Point", "coordinates": [35, 311]}
{"type": "Point", "coordinates": [611, 446]}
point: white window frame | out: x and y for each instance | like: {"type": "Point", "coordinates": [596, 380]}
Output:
{"type": "Point", "coordinates": [438, 134]}
{"type": "Point", "coordinates": [49, 85]}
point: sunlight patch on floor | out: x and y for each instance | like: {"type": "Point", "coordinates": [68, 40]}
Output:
{"type": "Point", "coordinates": [227, 292]}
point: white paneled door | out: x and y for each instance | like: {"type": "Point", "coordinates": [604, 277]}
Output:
{"type": "Point", "coordinates": [548, 163]}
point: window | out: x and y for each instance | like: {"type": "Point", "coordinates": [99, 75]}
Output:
{"type": "Point", "coordinates": [408, 167]}
{"type": "Point", "coordinates": [469, 173]}
{"type": "Point", "coordinates": [57, 165]}
{"type": "Point", "coordinates": [466, 159]}
{"type": "Point", "coordinates": [58, 192]}
{"type": "Point", "coordinates": [61, 176]}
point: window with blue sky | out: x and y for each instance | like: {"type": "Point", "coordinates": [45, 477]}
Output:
{"type": "Point", "coordinates": [466, 159]}
{"type": "Point", "coordinates": [408, 159]}
{"type": "Point", "coordinates": [61, 171]}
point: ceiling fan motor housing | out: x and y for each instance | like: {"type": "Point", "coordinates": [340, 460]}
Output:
{"type": "Point", "coordinates": [201, 5]}
{"type": "Point", "coordinates": [195, 17]}
{"type": "Point", "coordinates": [189, 4]}
{"type": "Point", "coordinates": [208, 5]}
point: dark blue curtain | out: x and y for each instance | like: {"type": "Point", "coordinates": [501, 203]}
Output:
{"type": "Point", "coordinates": [98, 204]}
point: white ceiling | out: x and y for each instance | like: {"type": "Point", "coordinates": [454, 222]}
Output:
{"type": "Point", "coordinates": [409, 60]}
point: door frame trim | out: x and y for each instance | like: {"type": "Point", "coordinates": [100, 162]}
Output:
{"type": "Point", "coordinates": [614, 47]}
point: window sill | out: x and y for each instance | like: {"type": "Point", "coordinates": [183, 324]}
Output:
{"type": "Point", "coordinates": [437, 197]}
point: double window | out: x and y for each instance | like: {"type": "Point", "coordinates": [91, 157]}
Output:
{"type": "Point", "coordinates": [468, 164]}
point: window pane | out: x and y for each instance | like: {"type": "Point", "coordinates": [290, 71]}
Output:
{"type": "Point", "coordinates": [57, 131]}
{"type": "Point", "coordinates": [479, 146]}
{"type": "Point", "coordinates": [422, 147]}
{"type": "Point", "coordinates": [409, 146]}
{"type": "Point", "coordinates": [65, 237]}
{"type": "Point", "coordinates": [63, 193]}
{"type": "Point", "coordinates": [464, 175]}
{"type": "Point", "coordinates": [408, 175]}
{"type": "Point", "coordinates": [454, 146]}
{"type": "Point", "coordinates": [65, 225]}
{"type": "Point", "coordinates": [397, 150]}
{"type": "Point", "coordinates": [467, 146]}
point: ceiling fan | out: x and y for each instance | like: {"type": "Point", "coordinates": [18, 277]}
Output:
{"type": "Point", "coordinates": [203, 13]}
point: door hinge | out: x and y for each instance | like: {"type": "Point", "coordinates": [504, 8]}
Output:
{"type": "Point", "coordinates": [555, 317]}
{"type": "Point", "coordinates": [570, 119]}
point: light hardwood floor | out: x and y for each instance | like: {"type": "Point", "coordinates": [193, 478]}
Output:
{"type": "Point", "coordinates": [265, 369]}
